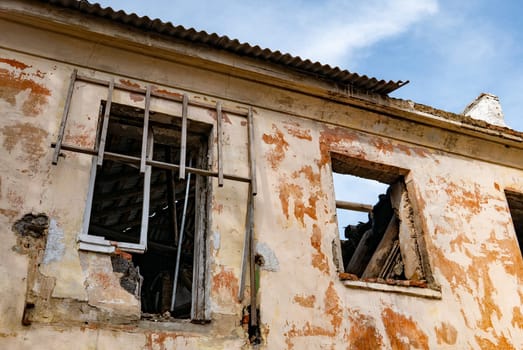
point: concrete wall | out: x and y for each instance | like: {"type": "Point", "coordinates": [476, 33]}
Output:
{"type": "Point", "coordinates": [456, 181]}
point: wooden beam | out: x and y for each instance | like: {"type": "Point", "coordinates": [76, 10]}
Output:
{"type": "Point", "coordinates": [383, 250]}
{"type": "Point", "coordinates": [366, 208]}
{"type": "Point", "coordinates": [171, 195]}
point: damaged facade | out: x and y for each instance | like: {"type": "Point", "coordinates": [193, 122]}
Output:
{"type": "Point", "coordinates": [162, 188]}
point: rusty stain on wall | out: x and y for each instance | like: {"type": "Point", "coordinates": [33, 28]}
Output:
{"type": "Point", "coordinates": [446, 334]}
{"type": "Point", "coordinates": [388, 146]}
{"type": "Point", "coordinates": [517, 317]}
{"type": "Point", "coordinates": [332, 136]}
{"type": "Point", "coordinates": [129, 83]}
{"type": "Point", "coordinates": [15, 199]}
{"type": "Point", "coordinates": [384, 146]}
{"type": "Point", "coordinates": [225, 116]}
{"type": "Point", "coordinates": [473, 200]}
{"type": "Point", "coordinates": [157, 340]}
{"type": "Point", "coordinates": [319, 259]}
{"type": "Point", "coordinates": [30, 137]}
{"type": "Point", "coordinates": [14, 63]}
{"type": "Point", "coordinates": [475, 279]}
{"type": "Point", "coordinates": [332, 306]}
{"type": "Point", "coordinates": [158, 90]}
{"type": "Point", "coordinates": [306, 170]}
{"type": "Point", "coordinates": [79, 134]}
{"type": "Point", "coordinates": [363, 333]}
{"type": "Point", "coordinates": [307, 330]}
{"type": "Point", "coordinates": [8, 213]}
{"type": "Point", "coordinates": [458, 242]}
{"type": "Point", "coordinates": [287, 191]}
{"type": "Point", "coordinates": [277, 153]}
{"type": "Point", "coordinates": [12, 84]}
{"type": "Point", "coordinates": [217, 207]}
{"type": "Point", "coordinates": [294, 129]}
{"type": "Point", "coordinates": [136, 97]}
{"type": "Point", "coordinates": [403, 331]}
{"type": "Point", "coordinates": [305, 301]}
{"type": "Point", "coordinates": [502, 343]}
{"type": "Point", "coordinates": [225, 285]}
{"type": "Point", "coordinates": [290, 191]}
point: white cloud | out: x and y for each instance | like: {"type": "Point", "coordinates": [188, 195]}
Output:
{"type": "Point", "coordinates": [353, 27]}
{"type": "Point", "coordinates": [326, 31]}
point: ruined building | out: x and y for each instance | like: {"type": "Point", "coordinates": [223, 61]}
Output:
{"type": "Point", "coordinates": [163, 188]}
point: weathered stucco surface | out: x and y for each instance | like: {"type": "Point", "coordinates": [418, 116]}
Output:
{"type": "Point", "coordinates": [456, 180]}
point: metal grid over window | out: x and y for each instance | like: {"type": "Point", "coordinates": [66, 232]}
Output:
{"type": "Point", "coordinates": [147, 153]}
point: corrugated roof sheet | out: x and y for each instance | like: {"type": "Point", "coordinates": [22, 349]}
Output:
{"type": "Point", "coordinates": [324, 71]}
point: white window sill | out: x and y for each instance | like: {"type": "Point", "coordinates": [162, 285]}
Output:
{"type": "Point", "coordinates": [381, 287]}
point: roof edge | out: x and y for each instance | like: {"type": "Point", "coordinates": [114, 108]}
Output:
{"type": "Point", "coordinates": [352, 81]}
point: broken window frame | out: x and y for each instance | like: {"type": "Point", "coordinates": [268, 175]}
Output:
{"type": "Point", "coordinates": [391, 175]}
{"type": "Point", "coordinates": [514, 200]}
{"type": "Point", "coordinates": [199, 312]}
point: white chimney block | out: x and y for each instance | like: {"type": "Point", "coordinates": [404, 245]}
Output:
{"type": "Point", "coordinates": [486, 107]}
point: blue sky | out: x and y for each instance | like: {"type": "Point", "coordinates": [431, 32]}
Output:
{"type": "Point", "coordinates": [450, 50]}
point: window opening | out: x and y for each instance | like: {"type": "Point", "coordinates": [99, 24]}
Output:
{"type": "Point", "coordinates": [515, 204]}
{"type": "Point", "coordinates": [378, 244]}
{"type": "Point", "coordinates": [117, 205]}
{"type": "Point", "coordinates": [356, 190]}
{"type": "Point", "coordinates": [149, 162]}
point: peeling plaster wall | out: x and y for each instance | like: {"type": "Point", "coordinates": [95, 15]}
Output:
{"type": "Point", "coordinates": [470, 240]}
{"type": "Point", "coordinates": [456, 180]}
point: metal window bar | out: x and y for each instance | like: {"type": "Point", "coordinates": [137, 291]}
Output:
{"type": "Point", "coordinates": [99, 149]}
{"type": "Point", "coordinates": [145, 129]}
{"type": "Point", "coordinates": [248, 249]}
{"type": "Point", "coordinates": [89, 204]}
{"type": "Point", "coordinates": [249, 223]}
{"type": "Point", "coordinates": [219, 126]}
{"type": "Point", "coordinates": [142, 245]}
{"type": "Point", "coordinates": [154, 163]}
{"type": "Point", "coordinates": [180, 240]}
{"type": "Point", "coordinates": [252, 159]}
{"type": "Point", "coordinates": [65, 114]}
{"type": "Point", "coordinates": [171, 195]}
{"type": "Point", "coordinates": [105, 123]}
{"type": "Point", "coordinates": [253, 319]}
{"type": "Point", "coordinates": [157, 94]}
{"type": "Point", "coordinates": [183, 142]}
{"type": "Point", "coordinates": [146, 191]}
{"type": "Point", "coordinates": [248, 245]}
